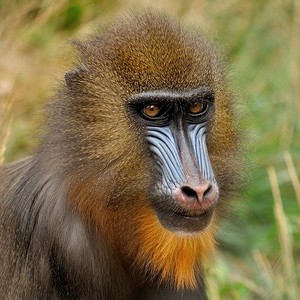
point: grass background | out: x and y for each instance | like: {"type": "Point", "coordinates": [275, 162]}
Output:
{"type": "Point", "coordinates": [260, 243]}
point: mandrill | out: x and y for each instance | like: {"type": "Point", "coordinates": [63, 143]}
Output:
{"type": "Point", "coordinates": [122, 198]}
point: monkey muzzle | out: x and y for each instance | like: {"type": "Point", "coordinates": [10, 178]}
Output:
{"type": "Point", "coordinates": [188, 191]}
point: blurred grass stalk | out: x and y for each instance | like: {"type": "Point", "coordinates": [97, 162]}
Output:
{"type": "Point", "coordinates": [285, 239]}
{"type": "Point", "coordinates": [5, 116]}
{"type": "Point", "coordinates": [283, 278]}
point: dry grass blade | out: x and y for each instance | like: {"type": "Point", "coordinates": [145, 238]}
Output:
{"type": "Point", "coordinates": [252, 286]}
{"type": "Point", "coordinates": [5, 117]}
{"type": "Point", "coordinates": [264, 266]}
{"type": "Point", "coordinates": [286, 242]}
{"type": "Point", "coordinates": [4, 134]}
{"type": "Point", "coordinates": [212, 287]}
{"type": "Point", "coordinates": [293, 174]}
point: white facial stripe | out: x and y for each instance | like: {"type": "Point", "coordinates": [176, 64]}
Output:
{"type": "Point", "coordinates": [197, 134]}
{"type": "Point", "coordinates": [162, 144]}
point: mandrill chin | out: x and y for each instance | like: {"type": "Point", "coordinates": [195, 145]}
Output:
{"type": "Point", "coordinates": [138, 161]}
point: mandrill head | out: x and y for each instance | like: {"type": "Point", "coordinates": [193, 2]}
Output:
{"type": "Point", "coordinates": [149, 111]}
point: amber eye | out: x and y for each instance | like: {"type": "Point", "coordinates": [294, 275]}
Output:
{"type": "Point", "coordinates": [151, 110]}
{"type": "Point", "coordinates": [196, 107]}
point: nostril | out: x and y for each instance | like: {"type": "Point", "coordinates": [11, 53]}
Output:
{"type": "Point", "coordinates": [207, 191]}
{"type": "Point", "coordinates": [189, 192]}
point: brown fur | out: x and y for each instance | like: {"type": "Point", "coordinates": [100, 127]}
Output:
{"type": "Point", "coordinates": [90, 228]}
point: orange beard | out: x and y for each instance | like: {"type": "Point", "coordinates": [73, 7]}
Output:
{"type": "Point", "coordinates": [175, 257]}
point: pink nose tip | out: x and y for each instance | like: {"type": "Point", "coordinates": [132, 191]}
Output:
{"type": "Point", "coordinates": [202, 196]}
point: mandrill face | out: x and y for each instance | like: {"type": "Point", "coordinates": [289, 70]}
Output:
{"type": "Point", "coordinates": [186, 192]}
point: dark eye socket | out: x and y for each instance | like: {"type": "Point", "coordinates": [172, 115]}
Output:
{"type": "Point", "coordinates": [198, 111]}
{"type": "Point", "coordinates": [156, 111]}
{"type": "Point", "coordinates": [151, 110]}
{"type": "Point", "coordinates": [196, 107]}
